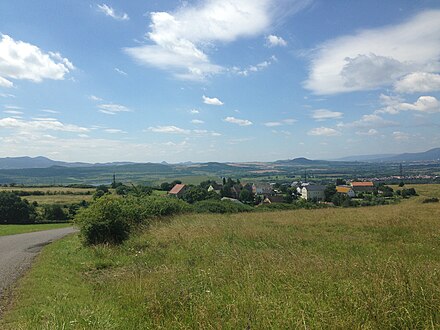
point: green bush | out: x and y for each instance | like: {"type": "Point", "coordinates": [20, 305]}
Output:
{"type": "Point", "coordinates": [215, 206]}
{"type": "Point", "coordinates": [54, 212]}
{"type": "Point", "coordinates": [104, 222]}
{"type": "Point", "coordinates": [15, 210]}
{"type": "Point", "coordinates": [431, 200]}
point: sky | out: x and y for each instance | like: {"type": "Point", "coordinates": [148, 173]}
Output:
{"type": "Point", "coordinates": [218, 80]}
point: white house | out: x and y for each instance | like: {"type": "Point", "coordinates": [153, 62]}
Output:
{"type": "Point", "coordinates": [313, 192]}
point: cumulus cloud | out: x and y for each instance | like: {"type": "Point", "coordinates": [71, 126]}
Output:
{"type": "Point", "coordinates": [123, 73]}
{"type": "Point", "coordinates": [324, 131]}
{"type": "Point", "coordinates": [40, 124]}
{"type": "Point", "coordinates": [288, 121]}
{"type": "Point", "coordinates": [109, 11]}
{"type": "Point", "coordinates": [23, 61]}
{"type": "Point", "coordinates": [240, 122]}
{"type": "Point", "coordinates": [324, 114]}
{"type": "Point", "coordinates": [401, 136]}
{"type": "Point", "coordinates": [254, 68]}
{"type": "Point", "coordinates": [169, 130]}
{"type": "Point", "coordinates": [197, 121]}
{"type": "Point", "coordinates": [114, 130]}
{"type": "Point", "coordinates": [13, 112]}
{"type": "Point", "coordinates": [424, 104]}
{"type": "Point", "coordinates": [112, 109]}
{"type": "Point", "coordinates": [370, 121]}
{"type": "Point", "coordinates": [194, 111]}
{"type": "Point", "coordinates": [370, 132]}
{"type": "Point", "coordinates": [273, 41]}
{"type": "Point", "coordinates": [418, 82]}
{"type": "Point", "coordinates": [180, 40]}
{"type": "Point", "coordinates": [211, 101]}
{"type": "Point", "coordinates": [376, 57]}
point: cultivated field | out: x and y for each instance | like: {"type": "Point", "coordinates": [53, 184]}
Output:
{"type": "Point", "coordinates": [371, 268]}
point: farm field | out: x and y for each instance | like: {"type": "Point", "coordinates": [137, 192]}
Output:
{"type": "Point", "coordinates": [371, 267]}
{"type": "Point", "coordinates": [21, 229]}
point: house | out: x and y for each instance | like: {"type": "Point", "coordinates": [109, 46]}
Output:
{"type": "Point", "coordinates": [313, 192]}
{"type": "Point", "coordinates": [346, 190]}
{"type": "Point", "coordinates": [215, 187]}
{"type": "Point", "coordinates": [362, 186]}
{"type": "Point", "coordinates": [178, 190]}
{"type": "Point", "coordinates": [273, 199]}
{"type": "Point", "coordinates": [264, 189]}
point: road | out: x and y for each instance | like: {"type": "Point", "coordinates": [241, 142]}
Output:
{"type": "Point", "coordinates": [18, 251]}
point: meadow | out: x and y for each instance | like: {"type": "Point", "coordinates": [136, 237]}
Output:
{"type": "Point", "coordinates": [338, 268]}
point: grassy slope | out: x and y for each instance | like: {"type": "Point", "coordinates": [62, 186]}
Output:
{"type": "Point", "coordinates": [375, 267]}
{"type": "Point", "coordinates": [20, 229]}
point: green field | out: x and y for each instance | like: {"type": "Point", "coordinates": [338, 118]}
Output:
{"type": "Point", "coordinates": [20, 229]}
{"type": "Point", "coordinates": [370, 268]}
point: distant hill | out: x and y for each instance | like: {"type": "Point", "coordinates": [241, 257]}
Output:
{"type": "Point", "coordinates": [430, 155]}
{"type": "Point", "coordinates": [299, 161]}
{"type": "Point", "coordinates": [10, 163]}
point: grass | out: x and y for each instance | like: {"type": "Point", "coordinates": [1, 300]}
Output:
{"type": "Point", "coordinates": [20, 229]}
{"type": "Point", "coordinates": [371, 268]}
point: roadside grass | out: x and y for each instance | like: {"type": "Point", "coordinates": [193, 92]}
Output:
{"type": "Point", "coordinates": [371, 268]}
{"type": "Point", "coordinates": [21, 229]}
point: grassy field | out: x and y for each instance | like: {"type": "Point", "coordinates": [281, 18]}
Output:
{"type": "Point", "coordinates": [20, 229]}
{"type": "Point", "coordinates": [369, 268]}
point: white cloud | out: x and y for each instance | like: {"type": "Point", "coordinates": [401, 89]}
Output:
{"type": "Point", "coordinates": [21, 60]}
{"type": "Point", "coordinates": [424, 104]}
{"type": "Point", "coordinates": [324, 131]}
{"type": "Point", "coordinates": [5, 95]}
{"type": "Point", "coordinates": [112, 109]}
{"type": "Point", "coordinates": [109, 11]}
{"type": "Point", "coordinates": [373, 58]}
{"type": "Point", "coordinates": [211, 101]}
{"type": "Point", "coordinates": [180, 39]}
{"type": "Point", "coordinates": [194, 111]}
{"type": "Point", "coordinates": [273, 41]}
{"type": "Point", "coordinates": [95, 98]}
{"type": "Point", "coordinates": [370, 132]}
{"type": "Point", "coordinates": [418, 82]}
{"type": "Point", "coordinates": [197, 121]}
{"type": "Point", "coordinates": [114, 130]}
{"type": "Point", "coordinates": [13, 112]}
{"type": "Point", "coordinates": [254, 68]}
{"type": "Point", "coordinates": [123, 73]}
{"type": "Point", "coordinates": [39, 124]}
{"type": "Point", "coordinates": [401, 136]}
{"type": "Point", "coordinates": [240, 122]}
{"type": "Point", "coordinates": [323, 114]}
{"type": "Point", "coordinates": [370, 121]}
{"type": "Point", "coordinates": [169, 130]}
{"type": "Point", "coordinates": [6, 83]}
{"type": "Point", "coordinates": [50, 111]}
{"type": "Point", "coordinates": [288, 121]}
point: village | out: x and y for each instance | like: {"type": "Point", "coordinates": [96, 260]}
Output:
{"type": "Point", "coordinates": [264, 193]}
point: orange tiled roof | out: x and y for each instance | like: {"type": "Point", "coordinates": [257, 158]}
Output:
{"type": "Point", "coordinates": [362, 184]}
{"type": "Point", "coordinates": [343, 190]}
{"type": "Point", "coordinates": [176, 189]}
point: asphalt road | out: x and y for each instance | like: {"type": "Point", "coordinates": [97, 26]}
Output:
{"type": "Point", "coordinates": [18, 251]}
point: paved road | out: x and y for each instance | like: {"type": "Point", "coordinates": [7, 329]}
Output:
{"type": "Point", "coordinates": [18, 251]}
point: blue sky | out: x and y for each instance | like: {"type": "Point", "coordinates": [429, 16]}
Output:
{"type": "Point", "coordinates": [218, 80]}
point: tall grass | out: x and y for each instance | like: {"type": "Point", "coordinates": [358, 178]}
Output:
{"type": "Point", "coordinates": [371, 268]}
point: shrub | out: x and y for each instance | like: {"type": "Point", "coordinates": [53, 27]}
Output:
{"type": "Point", "coordinates": [54, 212]}
{"type": "Point", "coordinates": [215, 206]}
{"type": "Point", "coordinates": [431, 200]}
{"type": "Point", "coordinates": [103, 222]}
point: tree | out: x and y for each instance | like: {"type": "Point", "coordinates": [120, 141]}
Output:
{"type": "Point", "coordinates": [246, 196]}
{"type": "Point", "coordinates": [15, 210]}
{"type": "Point", "coordinates": [340, 182]}
{"type": "Point", "coordinates": [54, 212]}
{"type": "Point", "coordinates": [194, 194]}
{"type": "Point", "coordinates": [401, 184]}
{"type": "Point", "coordinates": [329, 192]}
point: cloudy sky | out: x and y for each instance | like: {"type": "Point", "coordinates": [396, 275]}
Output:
{"type": "Point", "coordinates": [218, 80]}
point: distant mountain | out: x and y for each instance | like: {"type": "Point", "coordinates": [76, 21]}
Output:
{"type": "Point", "coordinates": [364, 158]}
{"type": "Point", "coordinates": [10, 163]}
{"type": "Point", "coordinates": [298, 161]}
{"type": "Point", "coordinates": [430, 155]}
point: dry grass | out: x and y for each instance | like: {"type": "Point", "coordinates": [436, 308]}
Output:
{"type": "Point", "coordinates": [369, 268]}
